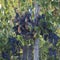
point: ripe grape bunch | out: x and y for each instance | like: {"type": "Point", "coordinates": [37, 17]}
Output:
{"type": "Point", "coordinates": [14, 47]}
{"type": "Point", "coordinates": [26, 27]}
{"type": "Point", "coordinates": [25, 22]}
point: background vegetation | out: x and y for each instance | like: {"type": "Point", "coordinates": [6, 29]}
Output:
{"type": "Point", "coordinates": [51, 9]}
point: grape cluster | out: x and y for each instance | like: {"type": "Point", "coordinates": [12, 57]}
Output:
{"type": "Point", "coordinates": [14, 48]}
{"type": "Point", "coordinates": [25, 23]}
{"type": "Point", "coordinates": [53, 38]}
{"type": "Point", "coordinates": [50, 36]}
{"type": "Point", "coordinates": [52, 52]}
{"type": "Point", "coordinates": [15, 45]}
{"type": "Point", "coordinates": [5, 55]}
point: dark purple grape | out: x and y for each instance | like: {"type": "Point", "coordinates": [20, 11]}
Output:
{"type": "Point", "coordinates": [17, 42]}
{"type": "Point", "coordinates": [27, 15]}
{"type": "Point", "coordinates": [17, 18]}
{"type": "Point", "coordinates": [50, 51]}
{"type": "Point", "coordinates": [5, 55]}
{"type": "Point", "coordinates": [54, 52]}
{"type": "Point", "coordinates": [12, 40]}
{"type": "Point", "coordinates": [39, 17]}
{"type": "Point", "coordinates": [55, 39]}
{"type": "Point", "coordinates": [41, 32]}
{"type": "Point", "coordinates": [45, 36]}
{"type": "Point", "coordinates": [43, 16]}
{"type": "Point", "coordinates": [36, 22]}
{"type": "Point", "coordinates": [55, 42]}
{"type": "Point", "coordinates": [50, 37]}
{"type": "Point", "coordinates": [49, 30]}
{"type": "Point", "coordinates": [17, 15]}
{"type": "Point", "coordinates": [29, 20]}
{"type": "Point", "coordinates": [13, 49]}
{"type": "Point", "coordinates": [22, 21]}
{"type": "Point", "coordinates": [44, 25]}
{"type": "Point", "coordinates": [50, 40]}
{"type": "Point", "coordinates": [23, 31]}
{"type": "Point", "coordinates": [15, 28]}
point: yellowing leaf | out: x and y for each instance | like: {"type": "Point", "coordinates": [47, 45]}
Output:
{"type": "Point", "coordinates": [58, 31]}
{"type": "Point", "coordinates": [21, 51]}
{"type": "Point", "coordinates": [54, 24]}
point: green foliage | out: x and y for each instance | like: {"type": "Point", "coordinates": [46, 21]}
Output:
{"type": "Point", "coordinates": [51, 8]}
